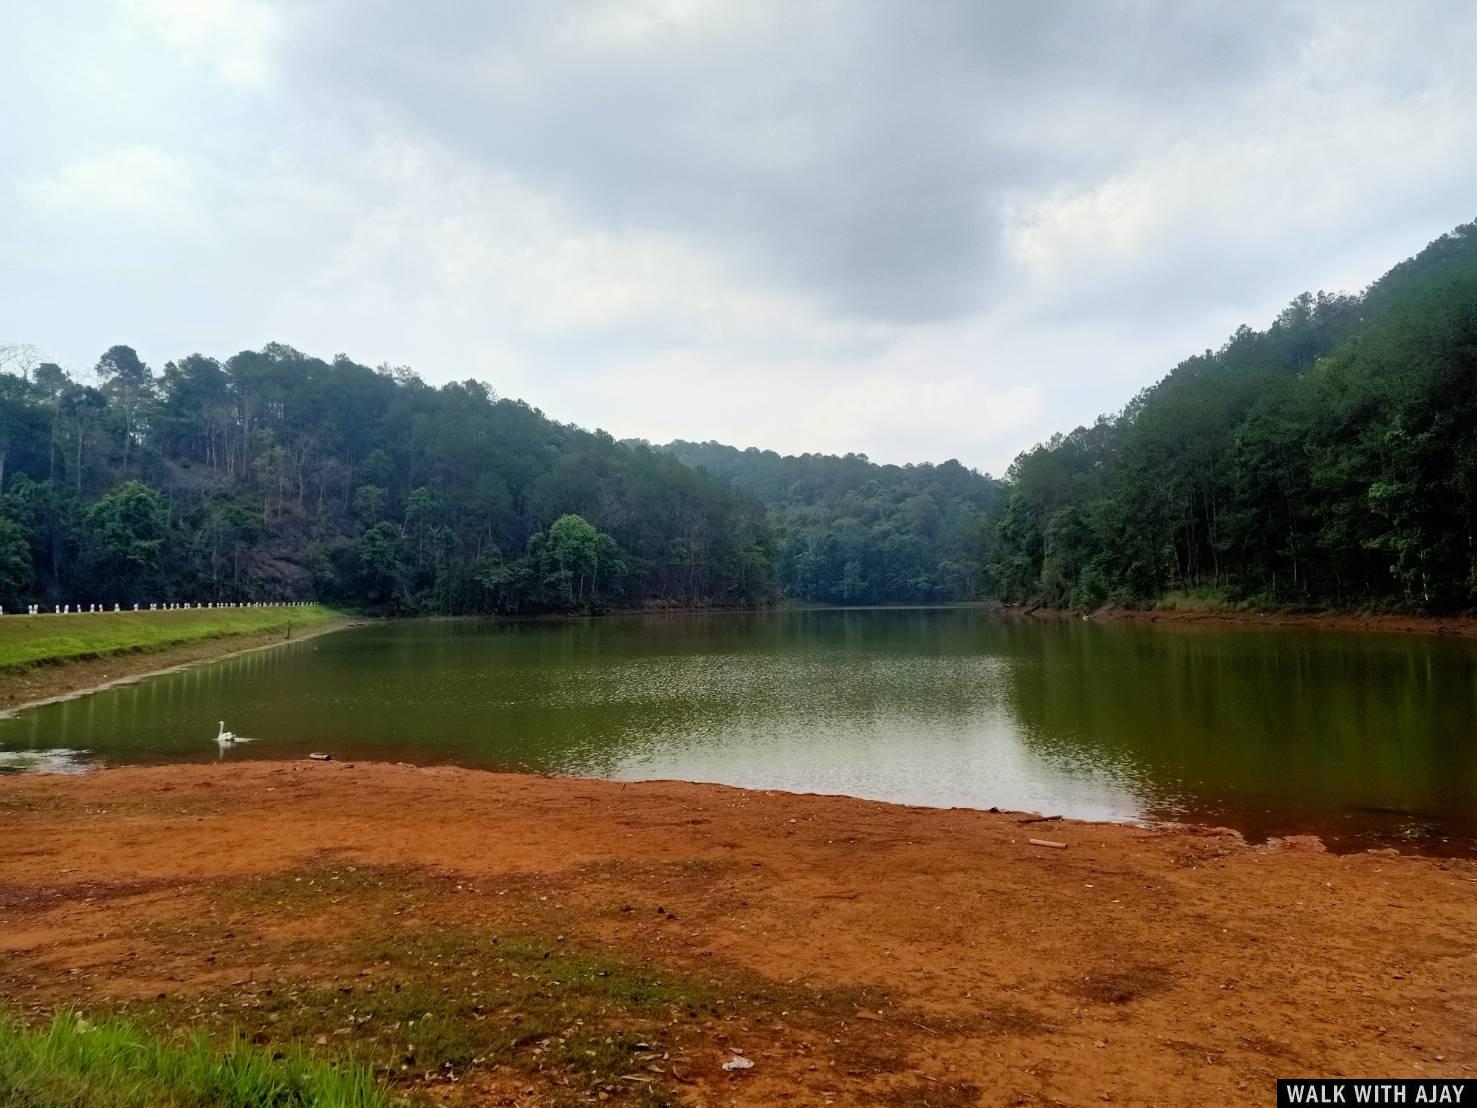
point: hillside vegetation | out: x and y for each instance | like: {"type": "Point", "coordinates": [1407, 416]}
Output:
{"type": "Point", "coordinates": [273, 475]}
{"type": "Point", "coordinates": [1330, 460]}
{"type": "Point", "coordinates": [1327, 461]}
{"type": "Point", "coordinates": [849, 531]}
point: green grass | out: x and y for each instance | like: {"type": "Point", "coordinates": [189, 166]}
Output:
{"type": "Point", "coordinates": [1198, 600]}
{"type": "Point", "coordinates": [426, 1008]}
{"type": "Point", "coordinates": [72, 1064]}
{"type": "Point", "coordinates": [441, 1005]}
{"type": "Point", "coordinates": [463, 1000]}
{"type": "Point", "coordinates": [528, 967]}
{"type": "Point", "coordinates": [33, 640]}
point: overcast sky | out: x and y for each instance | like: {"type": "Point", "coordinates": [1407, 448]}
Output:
{"type": "Point", "coordinates": [918, 229]}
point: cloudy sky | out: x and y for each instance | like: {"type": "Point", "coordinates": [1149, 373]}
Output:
{"type": "Point", "coordinates": [914, 229]}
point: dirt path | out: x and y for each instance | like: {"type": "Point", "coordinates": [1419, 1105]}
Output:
{"type": "Point", "coordinates": [38, 684]}
{"type": "Point", "coordinates": [573, 941]}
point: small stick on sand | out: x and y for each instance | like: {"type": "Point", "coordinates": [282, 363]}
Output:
{"type": "Point", "coordinates": [1048, 842]}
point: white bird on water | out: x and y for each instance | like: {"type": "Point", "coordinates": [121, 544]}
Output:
{"type": "Point", "coordinates": [224, 736]}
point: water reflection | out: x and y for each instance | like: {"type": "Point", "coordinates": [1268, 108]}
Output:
{"type": "Point", "coordinates": [1343, 735]}
{"type": "Point", "coordinates": [43, 761]}
{"type": "Point", "coordinates": [1352, 736]}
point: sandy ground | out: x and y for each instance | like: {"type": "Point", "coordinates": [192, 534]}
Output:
{"type": "Point", "coordinates": [856, 952]}
{"type": "Point", "coordinates": [38, 684]}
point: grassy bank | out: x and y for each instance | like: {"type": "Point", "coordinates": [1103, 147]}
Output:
{"type": "Point", "coordinates": [1206, 600]}
{"type": "Point", "coordinates": [115, 1065]}
{"type": "Point", "coordinates": [34, 640]}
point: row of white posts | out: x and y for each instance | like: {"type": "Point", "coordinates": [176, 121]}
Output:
{"type": "Point", "coordinates": [77, 609]}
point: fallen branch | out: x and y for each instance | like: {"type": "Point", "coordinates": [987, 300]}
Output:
{"type": "Point", "coordinates": [1048, 842]}
{"type": "Point", "coordinates": [1038, 819]}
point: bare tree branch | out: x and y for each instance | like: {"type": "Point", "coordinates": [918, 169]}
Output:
{"type": "Point", "coordinates": [19, 358]}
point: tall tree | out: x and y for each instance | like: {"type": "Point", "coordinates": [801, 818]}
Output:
{"type": "Point", "coordinates": [129, 384]}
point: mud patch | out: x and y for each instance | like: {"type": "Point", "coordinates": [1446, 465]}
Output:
{"type": "Point", "coordinates": [1122, 986]}
{"type": "Point", "coordinates": [28, 899]}
{"type": "Point", "coordinates": [932, 1094]}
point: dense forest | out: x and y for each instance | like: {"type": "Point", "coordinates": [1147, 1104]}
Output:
{"type": "Point", "coordinates": [849, 531]}
{"type": "Point", "coordinates": [1330, 460]}
{"type": "Point", "coordinates": [273, 475]}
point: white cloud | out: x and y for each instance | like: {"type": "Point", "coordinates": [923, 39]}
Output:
{"type": "Point", "coordinates": [1292, 173]}
{"type": "Point", "coordinates": [633, 24]}
{"type": "Point", "coordinates": [135, 180]}
{"type": "Point", "coordinates": [236, 36]}
{"type": "Point", "coordinates": [917, 234]}
{"type": "Point", "coordinates": [432, 225]}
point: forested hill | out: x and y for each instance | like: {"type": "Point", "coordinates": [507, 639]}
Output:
{"type": "Point", "coordinates": [848, 530]}
{"type": "Point", "coordinates": [1330, 460]}
{"type": "Point", "coordinates": [275, 475]}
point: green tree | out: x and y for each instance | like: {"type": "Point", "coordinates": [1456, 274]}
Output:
{"type": "Point", "coordinates": [370, 502]}
{"type": "Point", "coordinates": [381, 566]}
{"type": "Point", "coordinates": [130, 384]}
{"type": "Point", "coordinates": [122, 534]}
{"type": "Point", "coordinates": [17, 575]}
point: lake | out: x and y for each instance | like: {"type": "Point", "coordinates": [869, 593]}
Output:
{"type": "Point", "coordinates": [1365, 739]}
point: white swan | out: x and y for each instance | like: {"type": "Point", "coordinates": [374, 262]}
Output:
{"type": "Point", "coordinates": [224, 736]}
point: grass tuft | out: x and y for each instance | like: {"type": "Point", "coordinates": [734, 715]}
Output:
{"type": "Point", "coordinates": [74, 1064]}
{"type": "Point", "coordinates": [1197, 600]}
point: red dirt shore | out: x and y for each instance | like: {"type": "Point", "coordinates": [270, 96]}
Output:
{"type": "Point", "coordinates": [943, 959]}
{"type": "Point", "coordinates": [1462, 626]}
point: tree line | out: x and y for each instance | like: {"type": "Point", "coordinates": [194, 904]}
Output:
{"type": "Point", "coordinates": [850, 531]}
{"type": "Point", "coordinates": [1329, 460]}
{"type": "Point", "coordinates": [273, 475]}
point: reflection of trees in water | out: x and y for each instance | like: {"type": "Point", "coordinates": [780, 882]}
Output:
{"type": "Point", "coordinates": [692, 681]}
{"type": "Point", "coordinates": [172, 716]}
{"type": "Point", "coordinates": [544, 694]}
{"type": "Point", "coordinates": [1232, 723]}
{"type": "Point", "coordinates": [1197, 723]}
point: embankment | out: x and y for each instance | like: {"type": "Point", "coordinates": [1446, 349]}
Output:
{"type": "Point", "coordinates": [49, 656]}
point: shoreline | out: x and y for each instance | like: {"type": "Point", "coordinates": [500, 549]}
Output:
{"type": "Point", "coordinates": [856, 951]}
{"type": "Point", "coordinates": [1456, 626]}
{"type": "Point", "coordinates": [53, 681]}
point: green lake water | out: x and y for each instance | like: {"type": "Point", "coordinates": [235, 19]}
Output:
{"type": "Point", "coordinates": [1365, 739]}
